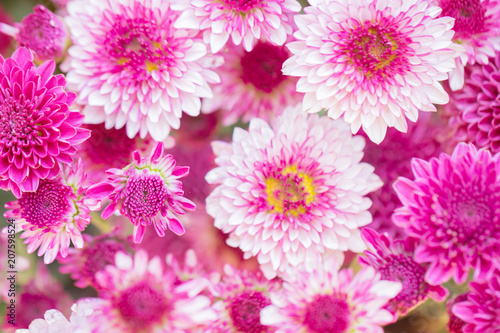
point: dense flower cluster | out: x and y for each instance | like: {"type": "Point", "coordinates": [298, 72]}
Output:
{"type": "Point", "coordinates": [234, 124]}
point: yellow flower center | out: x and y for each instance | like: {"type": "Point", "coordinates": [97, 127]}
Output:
{"type": "Point", "coordinates": [291, 192]}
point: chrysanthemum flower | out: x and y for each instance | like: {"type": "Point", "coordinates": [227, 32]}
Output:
{"type": "Point", "coordinates": [455, 324]}
{"type": "Point", "coordinates": [375, 63]}
{"type": "Point", "coordinates": [475, 110]}
{"type": "Point", "coordinates": [244, 21]}
{"type": "Point", "coordinates": [394, 261]}
{"type": "Point", "coordinates": [293, 191]}
{"type": "Point", "coordinates": [238, 300]}
{"type": "Point", "coordinates": [147, 191]}
{"type": "Point", "coordinates": [55, 214]}
{"type": "Point", "coordinates": [99, 252]}
{"type": "Point", "coordinates": [82, 316]}
{"type": "Point", "coordinates": [37, 129]}
{"type": "Point", "coordinates": [392, 159]}
{"type": "Point", "coordinates": [139, 296]}
{"type": "Point", "coordinates": [252, 84]}
{"type": "Point", "coordinates": [41, 31]}
{"type": "Point", "coordinates": [320, 299]}
{"type": "Point", "coordinates": [481, 310]}
{"type": "Point", "coordinates": [128, 58]}
{"type": "Point", "coordinates": [453, 207]}
{"type": "Point", "coordinates": [477, 28]}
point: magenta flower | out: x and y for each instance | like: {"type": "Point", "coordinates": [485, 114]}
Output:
{"type": "Point", "coordinates": [477, 27]}
{"type": "Point", "coordinates": [455, 324]}
{"type": "Point", "coordinates": [453, 207]}
{"type": "Point", "coordinates": [138, 295]}
{"type": "Point", "coordinates": [481, 310]}
{"type": "Point", "coordinates": [41, 31]}
{"type": "Point", "coordinates": [238, 300]}
{"type": "Point", "coordinates": [244, 21]}
{"type": "Point", "coordinates": [320, 299]}
{"type": "Point", "coordinates": [475, 110]}
{"type": "Point", "coordinates": [252, 84]}
{"type": "Point", "coordinates": [375, 63]}
{"type": "Point", "coordinates": [100, 251]}
{"type": "Point", "coordinates": [289, 193]}
{"type": "Point", "coordinates": [55, 214]}
{"type": "Point", "coordinates": [132, 67]}
{"type": "Point", "coordinates": [37, 129]}
{"type": "Point", "coordinates": [147, 191]}
{"type": "Point", "coordinates": [394, 261]}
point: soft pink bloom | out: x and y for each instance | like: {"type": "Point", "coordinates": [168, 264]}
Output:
{"type": "Point", "coordinates": [37, 129]}
{"type": "Point", "coordinates": [41, 31]}
{"type": "Point", "coordinates": [453, 207]}
{"type": "Point", "coordinates": [5, 40]}
{"type": "Point", "coordinates": [475, 110]}
{"type": "Point", "coordinates": [481, 310]}
{"type": "Point", "coordinates": [138, 295]}
{"type": "Point", "coordinates": [252, 84]}
{"type": "Point", "coordinates": [82, 316]}
{"type": "Point", "coordinates": [318, 298]}
{"type": "Point", "coordinates": [394, 261]}
{"type": "Point", "coordinates": [375, 63]}
{"type": "Point", "coordinates": [132, 67]}
{"type": "Point", "coordinates": [477, 28]}
{"type": "Point", "coordinates": [392, 159]}
{"type": "Point", "coordinates": [55, 214]}
{"type": "Point", "coordinates": [238, 300]}
{"type": "Point", "coordinates": [244, 21]}
{"type": "Point", "coordinates": [289, 192]}
{"type": "Point", "coordinates": [100, 251]}
{"type": "Point", "coordinates": [147, 191]}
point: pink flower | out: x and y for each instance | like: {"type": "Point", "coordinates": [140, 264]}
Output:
{"type": "Point", "coordinates": [375, 63]}
{"type": "Point", "coordinates": [394, 261]}
{"type": "Point", "coordinates": [244, 21]}
{"type": "Point", "coordinates": [147, 191]}
{"type": "Point", "coordinates": [453, 207]}
{"type": "Point", "coordinates": [475, 110]}
{"type": "Point", "coordinates": [139, 296]}
{"type": "Point", "coordinates": [239, 298]}
{"type": "Point", "coordinates": [477, 28]}
{"type": "Point", "coordinates": [99, 252]}
{"type": "Point", "coordinates": [37, 129]}
{"type": "Point", "coordinates": [291, 192]}
{"type": "Point", "coordinates": [55, 214]}
{"type": "Point", "coordinates": [455, 324]}
{"type": "Point", "coordinates": [481, 310]}
{"type": "Point", "coordinates": [252, 84]}
{"type": "Point", "coordinates": [320, 299]}
{"type": "Point", "coordinates": [128, 58]}
{"type": "Point", "coordinates": [41, 31]}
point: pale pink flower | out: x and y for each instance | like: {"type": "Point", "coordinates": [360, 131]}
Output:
{"type": "Point", "coordinates": [452, 206]}
{"type": "Point", "coordinates": [147, 191]}
{"type": "Point", "coordinates": [138, 295]}
{"type": "Point", "coordinates": [55, 214]}
{"type": "Point", "coordinates": [252, 84]}
{"type": "Point", "coordinates": [477, 28]}
{"type": "Point", "coordinates": [244, 21]}
{"type": "Point", "coordinates": [293, 191]}
{"type": "Point", "coordinates": [132, 67]}
{"type": "Point", "coordinates": [38, 131]}
{"type": "Point", "coordinates": [376, 63]}
{"type": "Point", "coordinates": [318, 298]}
